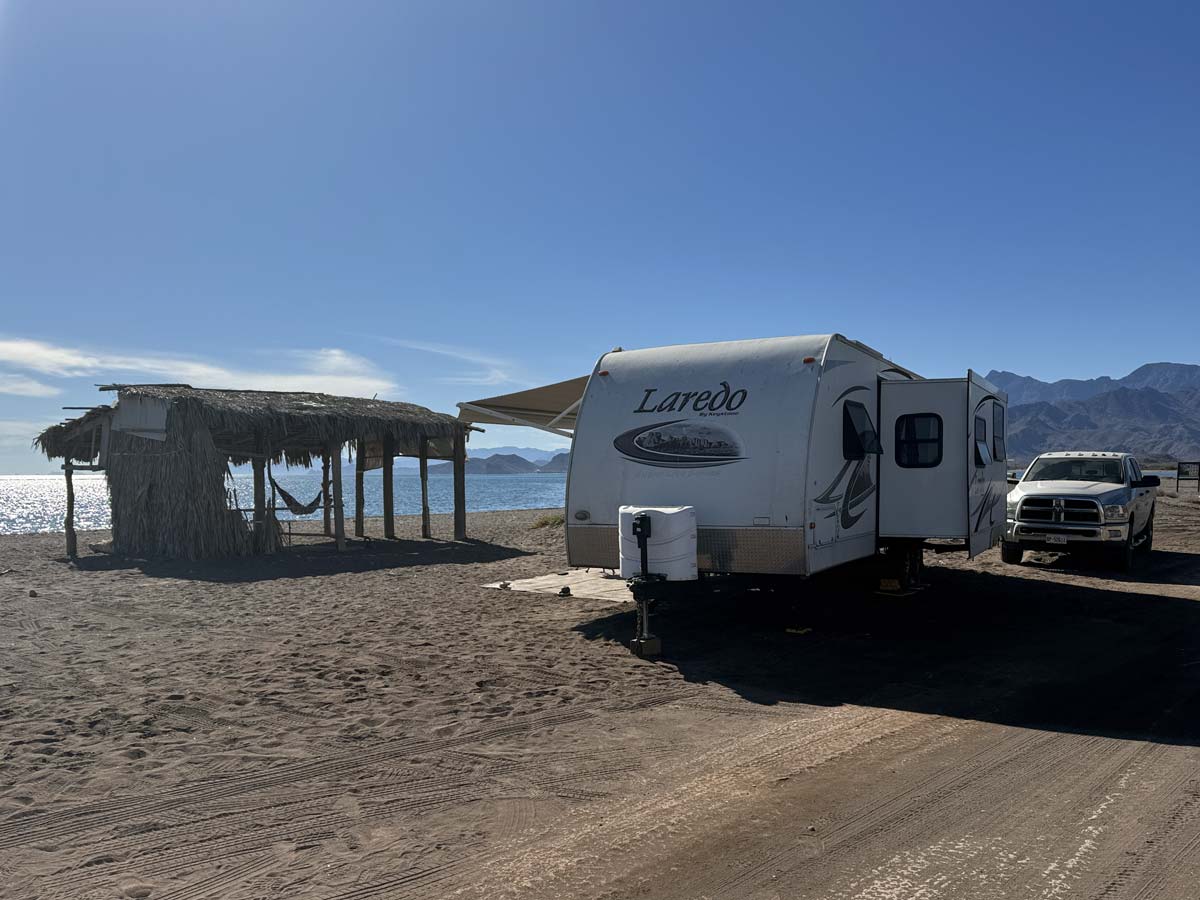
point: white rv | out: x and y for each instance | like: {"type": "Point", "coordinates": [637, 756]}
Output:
{"type": "Point", "coordinates": [797, 453]}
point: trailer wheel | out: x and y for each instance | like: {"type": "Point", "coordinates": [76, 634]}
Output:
{"type": "Point", "coordinates": [1011, 552]}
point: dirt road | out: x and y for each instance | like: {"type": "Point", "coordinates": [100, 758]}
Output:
{"type": "Point", "coordinates": [378, 725]}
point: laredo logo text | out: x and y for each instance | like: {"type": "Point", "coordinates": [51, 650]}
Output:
{"type": "Point", "coordinates": [700, 401]}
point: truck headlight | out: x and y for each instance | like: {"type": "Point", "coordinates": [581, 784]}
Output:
{"type": "Point", "coordinates": [1115, 511]}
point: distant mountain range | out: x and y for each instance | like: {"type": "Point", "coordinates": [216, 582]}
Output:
{"type": "Point", "coordinates": [1168, 378]}
{"type": "Point", "coordinates": [505, 464]}
{"type": "Point", "coordinates": [533, 454]}
{"type": "Point", "coordinates": [536, 455]}
{"type": "Point", "coordinates": [1154, 412]}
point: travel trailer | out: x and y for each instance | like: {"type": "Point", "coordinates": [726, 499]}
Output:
{"type": "Point", "coordinates": [796, 454]}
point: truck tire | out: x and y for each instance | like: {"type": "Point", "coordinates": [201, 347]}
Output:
{"type": "Point", "coordinates": [1011, 552]}
{"type": "Point", "coordinates": [1124, 556]}
{"type": "Point", "coordinates": [1147, 543]}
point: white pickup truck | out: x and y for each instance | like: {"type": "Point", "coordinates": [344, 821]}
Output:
{"type": "Point", "coordinates": [1078, 500]}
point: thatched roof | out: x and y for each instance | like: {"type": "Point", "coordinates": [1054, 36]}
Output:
{"type": "Point", "coordinates": [75, 440]}
{"type": "Point", "coordinates": [293, 425]}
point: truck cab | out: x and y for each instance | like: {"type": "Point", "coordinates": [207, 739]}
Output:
{"type": "Point", "coordinates": [1076, 500]}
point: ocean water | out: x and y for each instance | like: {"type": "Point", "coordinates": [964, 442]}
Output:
{"type": "Point", "coordinates": [38, 503]}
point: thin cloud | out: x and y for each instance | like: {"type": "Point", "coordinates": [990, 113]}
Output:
{"type": "Point", "coordinates": [490, 370]}
{"type": "Point", "coordinates": [328, 369]}
{"type": "Point", "coordinates": [23, 386]}
{"type": "Point", "coordinates": [19, 433]}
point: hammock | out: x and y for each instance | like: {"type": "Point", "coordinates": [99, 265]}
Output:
{"type": "Point", "coordinates": [297, 508]}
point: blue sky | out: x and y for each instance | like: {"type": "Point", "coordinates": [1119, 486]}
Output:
{"type": "Point", "coordinates": [441, 201]}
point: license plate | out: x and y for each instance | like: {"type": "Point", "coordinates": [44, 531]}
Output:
{"type": "Point", "coordinates": [1056, 539]}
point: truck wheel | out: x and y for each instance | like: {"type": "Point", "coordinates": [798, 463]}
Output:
{"type": "Point", "coordinates": [1147, 543]}
{"type": "Point", "coordinates": [1011, 552]}
{"type": "Point", "coordinates": [1123, 557]}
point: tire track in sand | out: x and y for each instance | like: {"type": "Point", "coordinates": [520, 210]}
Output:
{"type": "Point", "coordinates": [683, 794]}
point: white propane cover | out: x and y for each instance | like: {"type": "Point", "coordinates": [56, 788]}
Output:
{"type": "Point", "coordinates": [671, 549]}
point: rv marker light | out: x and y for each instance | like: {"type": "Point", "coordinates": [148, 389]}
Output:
{"type": "Point", "coordinates": [602, 372]}
{"type": "Point", "coordinates": [809, 359]}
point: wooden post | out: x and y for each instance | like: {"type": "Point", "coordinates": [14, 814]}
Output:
{"type": "Point", "coordinates": [325, 501]}
{"type": "Point", "coordinates": [339, 513]}
{"type": "Point", "coordinates": [259, 464]}
{"type": "Point", "coordinates": [389, 505]}
{"type": "Point", "coordinates": [360, 460]}
{"type": "Point", "coordinates": [460, 485]}
{"type": "Point", "coordinates": [426, 531]}
{"type": "Point", "coordinates": [69, 522]}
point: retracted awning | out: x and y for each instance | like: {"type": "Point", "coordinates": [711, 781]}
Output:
{"type": "Point", "coordinates": [551, 407]}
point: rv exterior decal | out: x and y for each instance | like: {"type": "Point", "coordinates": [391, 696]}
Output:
{"type": "Point", "coordinates": [680, 444]}
{"type": "Point", "coordinates": [723, 400]}
{"type": "Point", "coordinates": [985, 505]}
{"type": "Point", "coordinates": [985, 399]}
{"type": "Point", "coordinates": [856, 486]}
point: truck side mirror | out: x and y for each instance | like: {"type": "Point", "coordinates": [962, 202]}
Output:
{"type": "Point", "coordinates": [1149, 481]}
{"type": "Point", "coordinates": [1014, 479]}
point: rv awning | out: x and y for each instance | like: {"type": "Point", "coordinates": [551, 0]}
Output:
{"type": "Point", "coordinates": [551, 407]}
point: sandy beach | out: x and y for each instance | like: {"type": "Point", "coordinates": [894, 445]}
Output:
{"type": "Point", "coordinates": [378, 724]}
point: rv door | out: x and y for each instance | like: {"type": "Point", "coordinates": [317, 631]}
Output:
{"type": "Point", "coordinates": [987, 452]}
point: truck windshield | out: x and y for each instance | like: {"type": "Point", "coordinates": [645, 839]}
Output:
{"type": "Point", "coordinates": [1076, 469]}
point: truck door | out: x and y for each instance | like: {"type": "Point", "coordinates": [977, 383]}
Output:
{"type": "Point", "coordinates": [987, 462]}
{"type": "Point", "coordinates": [1140, 499]}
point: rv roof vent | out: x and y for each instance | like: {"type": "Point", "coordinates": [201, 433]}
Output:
{"type": "Point", "coordinates": [617, 349]}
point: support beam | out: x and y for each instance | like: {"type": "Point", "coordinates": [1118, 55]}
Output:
{"type": "Point", "coordinates": [426, 531]}
{"type": "Point", "coordinates": [389, 505]}
{"type": "Point", "coordinates": [360, 460]}
{"type": "Point", "coordinates": [339, 512]}
{"type": "Point", "coordinates": [259, 464]}
{"type": "Point", "coordinates": [326, 503]}
{"type": "Point", "coordinates": [69, 522]}
{"type": "Point", "coordinates": [460, 485]}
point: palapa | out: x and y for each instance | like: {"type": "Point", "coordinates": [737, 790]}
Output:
{"type": "Point", "coordinates": [168, 485]}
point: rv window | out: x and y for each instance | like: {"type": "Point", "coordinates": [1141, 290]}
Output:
{"type": "Point", "coordinates": [919, 441]}
{"type": "Point", "coordinates": [858, 434]}
{"type": "Point", "coordinates": [999, 451]}
{"type": "Point", "coordinates": [983, 455]}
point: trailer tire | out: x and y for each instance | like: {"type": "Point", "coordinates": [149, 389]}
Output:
{"type": "Point", "coordinates": [1011, 552]}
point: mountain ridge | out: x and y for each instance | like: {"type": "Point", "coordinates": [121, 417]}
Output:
{"type": "Point", "coordinates": [505, 464]}
{"type": "Point", "coordinates": [1153, 412]}
{"type": "Point", "coordinates": [1166, 377]}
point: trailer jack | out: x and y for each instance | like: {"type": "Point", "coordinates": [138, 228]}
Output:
{"type": "Point", "coordinates": [902, 566]}
{"type": "Point", "coordinates": [645, 592]}
{"type": "Point", "coordinates": [647, 588]}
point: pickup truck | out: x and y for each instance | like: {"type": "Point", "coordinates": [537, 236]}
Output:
{"type": "Point", "coordinates": [1072, 501]}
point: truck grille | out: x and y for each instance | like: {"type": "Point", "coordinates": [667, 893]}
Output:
{"type": "Point", "coordinates": [1058, 510]}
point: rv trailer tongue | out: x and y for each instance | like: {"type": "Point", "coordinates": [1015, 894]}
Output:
{"type": "Point", "coordinates": [644, 644]}
{"type": "Point", "coordinates": [658, 554]}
